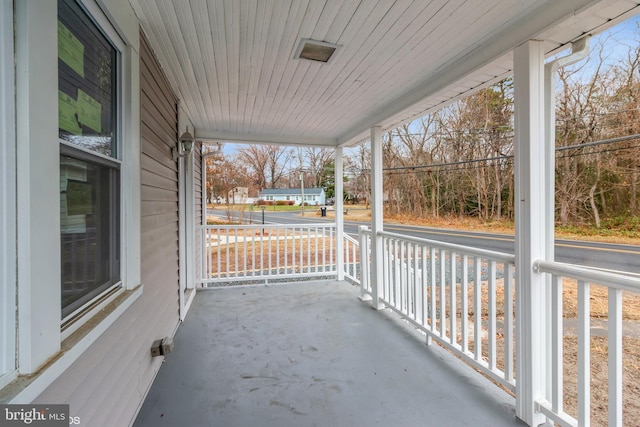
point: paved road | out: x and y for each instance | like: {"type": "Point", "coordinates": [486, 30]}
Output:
{"type": "Point", "coordinates": [607, 256]}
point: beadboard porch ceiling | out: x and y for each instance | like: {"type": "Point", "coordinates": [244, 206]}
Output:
{"type": "Point", "coordinates": [231, 62]}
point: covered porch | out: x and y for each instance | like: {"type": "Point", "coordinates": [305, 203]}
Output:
{"type": "Point", "coordinates": [240, 78]}
{"type": "Point", "coordinates": [106, 106]}
{"type": "Point", "coordinates": [308, 353]}
{"type": "Point", "coordinates": [282, 330]}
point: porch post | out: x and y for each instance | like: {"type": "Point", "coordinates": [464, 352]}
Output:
{"type": "Point", "coordinates": [190, 220]}
{"type": "Point", "coordinates": [338, 204]}
{"type": "Point", "coordinates": [531, 235]}
{"type": "Point", "coordinates": [186, 217]}
{"type": "Point", "coordinates": [182, 233]}
{"type": "Point", "coordinates": [377, 196]}
{"type": "Point", "coordinates": [553, 302]}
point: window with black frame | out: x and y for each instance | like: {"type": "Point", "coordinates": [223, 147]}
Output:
{"type": "Point", "coordinates": [89, 164]}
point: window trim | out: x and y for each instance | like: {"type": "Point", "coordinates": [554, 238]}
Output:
{"type": "Point", "coordinates": [73, 347]}
{"type": "Point", "coordinates": [43, 350]}
{"type": "Point", "coordinates": [96, 14]}
{"type": "Point", "coordinates": [85, 154]}
{"type": "Point", "coordinates": [97, 17]}
{"type": "Point", "coordinates": [83, 314]}
{"type": "Point", "coordinates": [8, 335]}
{"type": "Point", "coordinates": [74, 319]}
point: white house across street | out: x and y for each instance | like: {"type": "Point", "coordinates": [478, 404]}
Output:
{"type": "Point", "coordinates": [312, 196]}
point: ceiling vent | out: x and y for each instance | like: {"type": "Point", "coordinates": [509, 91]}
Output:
{"type": "Point", "coordinates": [314, 50]}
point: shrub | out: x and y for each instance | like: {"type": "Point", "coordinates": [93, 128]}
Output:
{"type": "Point", "coordinates": [280, 202]}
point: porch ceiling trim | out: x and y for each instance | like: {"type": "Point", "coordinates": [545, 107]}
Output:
{"type": "Point", "coordinates": [207, 135]}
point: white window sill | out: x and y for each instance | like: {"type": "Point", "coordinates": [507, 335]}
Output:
{"type": "Point", "coordinates": [26, 388]}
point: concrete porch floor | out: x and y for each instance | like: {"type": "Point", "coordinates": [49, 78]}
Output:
{"type": "Point", "coordinates": [312, 354]}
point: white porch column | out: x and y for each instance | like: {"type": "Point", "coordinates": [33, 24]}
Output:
{"type": "Point", "coordinates": [338, 204]}
{"type": "Point", "coordinates": [530, 204]}
{"type": "Point", "coordinates": [186, 216]}
{"type": "Point", "coordinates": [182, 233]}
{"type": "Point", "coordinates": [579, 51]}
{"type": "Point", "coordinates": [376, 217]}
{"type": "Point", "coordinates": [553, 302]}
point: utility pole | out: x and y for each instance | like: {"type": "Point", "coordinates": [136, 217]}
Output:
{"type": "Point", "coordinates": [301, 180]}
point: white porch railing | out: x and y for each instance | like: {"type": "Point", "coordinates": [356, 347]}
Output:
{"type": "Point", "coordinates": [263, 253]}
{"type": "Point", "coordinates": [462, 297]}
{"type": "Point", "coordinates": [585, 279]}
{"type": "Point", "coordinates": [364, 237]}
{"type": "Point", "coordinates": [351, 259]}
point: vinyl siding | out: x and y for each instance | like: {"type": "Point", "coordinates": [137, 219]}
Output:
{"type": "Point", "coordinates": [106, 385]}
{"type": "Point", "coordinates": [197, 178]}
{"type": "Point", "coordinates": [198, 200]}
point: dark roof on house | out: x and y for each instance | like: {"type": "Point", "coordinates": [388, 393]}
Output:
{"type": "Point", "coordinates": [290, 191]}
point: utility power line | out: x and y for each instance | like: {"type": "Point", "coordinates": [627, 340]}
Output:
{"type": "Point", "coordinates": [510, 157]}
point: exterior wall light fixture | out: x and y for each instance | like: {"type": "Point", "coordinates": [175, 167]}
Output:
{"type": "Point", "coordinates": [185, 145]}
{"type": "Point", "coordinates": [186, 142]}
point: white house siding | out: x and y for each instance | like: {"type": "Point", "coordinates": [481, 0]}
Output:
{"type": "Point", "coordinates": [107, 384]}
{"type": "Point", "coordinates": [312, 196]}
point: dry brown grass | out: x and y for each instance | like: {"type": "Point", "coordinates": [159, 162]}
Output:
{"type": "Point", "coordinates": [508, 227]}
{"type": "Point", "coordinates": [599, 375]}
{"type": "Point", "coordinates": [598, 302]}
{"type": "Point", "coordinates": [250, 258]}
{"type": "Point", "coordinates": [451, 222]}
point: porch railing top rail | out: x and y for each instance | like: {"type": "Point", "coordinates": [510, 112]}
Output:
{"type": "Point", "coordinates": [351, 239]}
{"type": "Point", "coordinates": [260, 226]}
{"type": "Point", "coordinates": [483, 253]}
{"type": "Point", "coordinates": [590, 275]}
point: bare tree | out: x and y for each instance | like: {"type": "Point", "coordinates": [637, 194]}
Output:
{"type": "Point", "coordinates": [358, 170]}
{"type": "Point", "coordinates": [624, 119]}
{"type": "Point", "coordinates": [256, 159]}
{"type": "Point", "coordinates": [267, 163]}
{"type": "Point", "coordinates": [579, 112]}
{"type": "Point", "coordinates": [317, 160]}
{"type": "Point", "coordinates": [224, 174]}
{"type": "Point", "coordinates": [278, 159]}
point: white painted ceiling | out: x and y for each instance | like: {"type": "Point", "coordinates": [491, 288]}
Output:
{"type": "Point", "coordinates": [231, 62]}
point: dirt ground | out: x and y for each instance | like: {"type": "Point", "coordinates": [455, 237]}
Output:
{"type": "Point", "coordinates": [599, 375]}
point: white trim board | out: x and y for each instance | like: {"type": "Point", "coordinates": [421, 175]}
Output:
{"type": "Point", "coordinates": [73, 349]}
{"type": "Point", "coordinates": [7, 197]}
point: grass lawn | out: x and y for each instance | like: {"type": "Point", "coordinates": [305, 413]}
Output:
{"type": "Point", "coordinates": [272, 208]}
